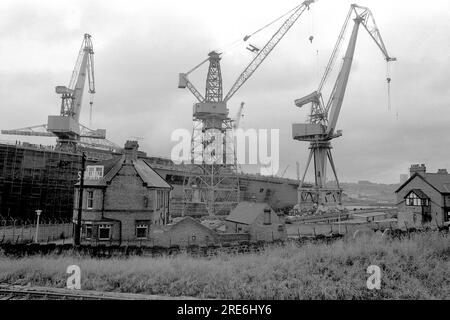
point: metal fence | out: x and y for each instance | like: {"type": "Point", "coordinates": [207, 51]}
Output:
{"type": "Point", "coordinates": [24, 231]}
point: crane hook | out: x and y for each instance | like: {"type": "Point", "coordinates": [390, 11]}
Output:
{"type": "Point", "coordinates": [311, 38]}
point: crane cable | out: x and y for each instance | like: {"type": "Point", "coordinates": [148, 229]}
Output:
{"type": "Point", "coordinates": [389, 95]}
{"type": "Point", "coordinates": [388, 79]}
{"type": "Point", "coordinates": [232, 45]}
{"type": "Point", "coordinates": [91, 102]}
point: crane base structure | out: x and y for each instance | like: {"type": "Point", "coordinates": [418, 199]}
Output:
{"type": "Point", "coordinates": [320, 198]}
{"type": "Point", "coordinates": [211, 182]}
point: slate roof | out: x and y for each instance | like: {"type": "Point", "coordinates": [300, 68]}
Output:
{"type": "Point", "coordinates": [149, 176]}
{"type": "Point", "coordinates": [111, 167]}
{"type": "Point", "coordinates": [440, 182]}
{"type": "Point", "coordinates": [247, 212]}
{"type": "Point", "coordinates": [183, 220]}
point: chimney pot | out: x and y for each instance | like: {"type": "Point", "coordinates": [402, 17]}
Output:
{"type": "Point", "coordinates": [131, 150]}
{"type": "Point", "coordinates": [418, 168]}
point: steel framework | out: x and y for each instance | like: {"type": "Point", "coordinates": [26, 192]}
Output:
{"type": "Point", "coordinates": [211, 185]}
{"type": "Point", "coordinates": [321, 129]}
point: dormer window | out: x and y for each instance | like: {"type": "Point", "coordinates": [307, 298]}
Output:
{"type": "Point", "coordinates": [417, 198]}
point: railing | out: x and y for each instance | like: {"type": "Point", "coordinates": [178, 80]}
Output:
{"type": "Point", "coordinates": [24, 231]}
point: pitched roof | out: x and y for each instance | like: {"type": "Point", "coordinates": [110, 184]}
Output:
{"type": "Point", "coordinates": [111, 167]}
{"type": "Point", "coordinates": [418, 193]}
{"type": "Point", "coordinates": [183, 220]}
{"type": "Point", "coordinates": [247, 212]}
{"type": "Point", "coordinates": [440, 182]}
{"type": "Point", "coordinates": [149, 176]}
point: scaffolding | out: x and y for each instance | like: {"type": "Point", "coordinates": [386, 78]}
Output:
{"type": "Point", "coordinates": [36, 177]}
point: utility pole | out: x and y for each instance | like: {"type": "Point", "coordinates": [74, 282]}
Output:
{"type": "Point", "coordinates": [36, 236]}
{"type": "Point", "coordinates": [77, 241]}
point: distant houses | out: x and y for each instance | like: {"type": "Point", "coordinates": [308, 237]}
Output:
{"type": "Point", "coordinates": [258, 220]}
{"type": "Point", "coordinates": [424, 199]}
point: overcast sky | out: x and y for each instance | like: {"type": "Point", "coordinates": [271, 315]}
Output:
{"type": "Point", "coordinates": [141, 46]}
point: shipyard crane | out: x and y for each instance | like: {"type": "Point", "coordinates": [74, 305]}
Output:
{"type": "Point", "coordinates": [216, 181]}
{"type": "Point", "coordinates": [66, 126]}
{"type": "Point", "coordinates": [323, 118]}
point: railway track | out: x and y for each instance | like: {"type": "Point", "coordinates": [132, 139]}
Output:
{"type": "Point", "coordinates": [8, 292]}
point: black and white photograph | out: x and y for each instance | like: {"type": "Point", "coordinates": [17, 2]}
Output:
{"type": "Point", "coordinates": [224, 156]}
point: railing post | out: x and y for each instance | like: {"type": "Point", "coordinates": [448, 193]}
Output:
{"type": "Point", "coordinates": [14, 229]}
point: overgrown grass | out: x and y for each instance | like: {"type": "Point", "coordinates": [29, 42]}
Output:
{"type": "Point", "coordinates": [415, 268]}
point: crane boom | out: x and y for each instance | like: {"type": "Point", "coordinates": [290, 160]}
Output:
{"type": "Point", "coordinates": [338, 92]}
{"type": "Point", "coordinates": [335, 52]}
{"type": "Point", "coordinates": [83, 66]}
{"type": "Point", "coordinates": [372, 28]}
{"type": "Point", "coordinates": [184, 82]}
{"type": "Point", "coordinates": [264, 52]}
{"type": "Point", "coordinates": [363, 16]}
{"type": "Point", "coordinates": [72, 95]}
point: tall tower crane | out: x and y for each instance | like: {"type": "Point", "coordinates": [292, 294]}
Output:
{"type": "Point", "coordinates": [66, 126]}
{"type": "Point", "coordinates": [215, 183]}
{"type": "Point", "coordinates": [321, 129]}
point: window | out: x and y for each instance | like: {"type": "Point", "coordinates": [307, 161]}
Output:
{"type": "Point", "coordinates": [141, 231]}
{"type": "Point", "coordinates": [94, 172]}
{"type": "Point", "coordinates": [88, 232]}
{"type": "Point", "coordinates": [104, 232]}
{"type": "Point", "coordinates": [160, 199]}
{"type": "Point", "coordinates": [413, 200]}
{"type": "Point", "coordinates": [145, 202]}
{"type": "Point", "coordinates": [267, 216]}
{"type": "Point", "coordinates": [90, 199]}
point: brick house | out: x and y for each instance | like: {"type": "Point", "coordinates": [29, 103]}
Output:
{"type": "Point", "coordinates": [257, 219]}
{"type": "Point", "coordinates": [123, 199]}
{"type": "Point", "coordinates": [424, 199]}
{"type": "Point", "coordinates": [185, 231]}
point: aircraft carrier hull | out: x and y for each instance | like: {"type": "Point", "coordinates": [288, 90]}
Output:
{"type": "Point", "coordinates": [39, 177]}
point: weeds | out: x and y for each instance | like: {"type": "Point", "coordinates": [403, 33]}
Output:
{"type": "Point", "coordinates": [414, 268]}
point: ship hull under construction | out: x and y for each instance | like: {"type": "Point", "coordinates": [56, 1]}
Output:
{"type": "Point", "coordinates": [37, 177]}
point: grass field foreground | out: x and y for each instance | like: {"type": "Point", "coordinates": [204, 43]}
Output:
{"type": "Point", "coordinates": [412, 268]}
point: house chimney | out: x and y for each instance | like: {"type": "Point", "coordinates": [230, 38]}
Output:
{"type": "Point", "coordinates": [442, 171]}
{"type": "Point", "coordinates": [419, 168]}
{"type": "Point", "coordinates": [131, 150]}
